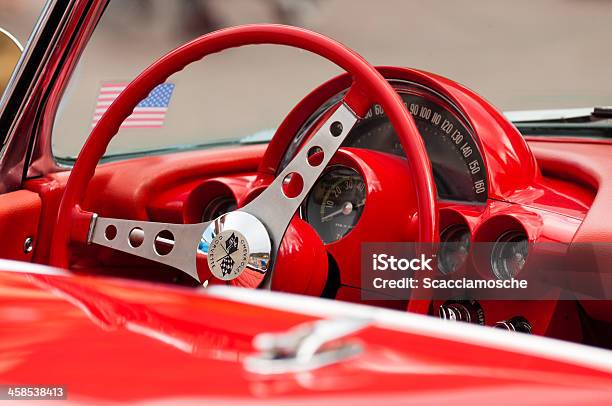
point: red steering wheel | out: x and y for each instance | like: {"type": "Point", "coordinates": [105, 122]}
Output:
{"type": "Point", "coordinates": [240, 245]}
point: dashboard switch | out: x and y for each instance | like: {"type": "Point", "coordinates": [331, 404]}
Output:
{"type": "Point", "coordinates": [518, 323]}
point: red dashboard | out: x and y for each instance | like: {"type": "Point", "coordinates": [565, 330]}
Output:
{"type": "Point", "coordinates": [542, 190]}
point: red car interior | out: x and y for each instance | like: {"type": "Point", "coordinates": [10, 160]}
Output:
{"type": "Point", "coordinates": [165, 189]}
{"type": "Point", "coordinates": [548, 189]}
{"type": "Point", "coordinates": [553, 189]}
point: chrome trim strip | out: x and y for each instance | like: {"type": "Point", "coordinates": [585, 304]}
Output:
{"type": "Point", "coordinates": [20, 120]}
{"type": "Point", "coordinates": [29, 104]}
{"type": "Point", "coordinates": [27, 53]}
{"type": "Point", "coordinates": [8, 265]}
{"type": "Point", "coordinates": [303, 348]}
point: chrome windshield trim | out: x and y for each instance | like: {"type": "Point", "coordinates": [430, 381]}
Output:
{"type": "Point", "coordinates": [25, 55]}
{"type": "Point", "coordinates": [28, 106]}
{"type": "Point", "coordinates": [21, 101]}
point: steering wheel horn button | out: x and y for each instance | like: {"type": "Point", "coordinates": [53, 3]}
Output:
{"type": "Point", "coordinates": [235, 242]}
{"type": "Point", "coordinates": [228, 255]}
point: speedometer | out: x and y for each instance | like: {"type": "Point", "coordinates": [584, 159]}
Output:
{"type": "Point", "coordinates": [335, 203]}
{"type": "Point", "coordinates": [458, 166]}
{"type": "Point", "coordinates": [456, 161]}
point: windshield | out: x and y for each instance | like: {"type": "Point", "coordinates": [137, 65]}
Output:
{"type": "Point", "coordinates": [520, 56]}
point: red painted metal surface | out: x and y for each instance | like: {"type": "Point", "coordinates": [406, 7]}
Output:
{"type": "Point", "coordinates": [302, 261]}
{"type": "Point", "coordinates": [19, 218]}
{"type": "Point", "coordinates": [589, 165]}
{"type": "Point", "coordinates": [117, 341]}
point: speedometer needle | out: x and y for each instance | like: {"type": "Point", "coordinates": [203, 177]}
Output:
{"type": "Point", "coordinates": [346, 209]}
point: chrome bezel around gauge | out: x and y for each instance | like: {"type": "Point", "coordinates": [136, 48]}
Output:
{"type": "Point", "coordinates": [513, 241]}
{"type": "Point", "coordinates": [453, 242]}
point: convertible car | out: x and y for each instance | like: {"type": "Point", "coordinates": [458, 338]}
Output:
{"type": "Point", "coordinates": [232, 273]}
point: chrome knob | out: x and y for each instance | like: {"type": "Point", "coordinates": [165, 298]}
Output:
{"type": "Point", "coordinates": [518, 324]}
{"type": "Point", "coordinates": [468, 311]}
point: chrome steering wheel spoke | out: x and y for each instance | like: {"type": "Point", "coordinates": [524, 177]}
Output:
{"type": "Point", "coordinates": [274, 207]}
{"type": "Point", "coordinates": [242, 244]}
{"type": "Point", "coordinates": [175, 245]}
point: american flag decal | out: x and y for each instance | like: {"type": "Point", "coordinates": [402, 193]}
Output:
{"type": "Point", "coordinates": [149, 113]}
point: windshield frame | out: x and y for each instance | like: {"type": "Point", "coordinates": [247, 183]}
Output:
{"type": "Point", "coordinates": [31, 100]}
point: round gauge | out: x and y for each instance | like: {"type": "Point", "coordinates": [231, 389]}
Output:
{"type": "Point", "coordinates": [509, 254]}
{"type": "Point", "coordinates": [219, 206]}
{"type": "Point", "coordinates": [335, 203]}
{"type": "Point", "coordinates": [454, 248]}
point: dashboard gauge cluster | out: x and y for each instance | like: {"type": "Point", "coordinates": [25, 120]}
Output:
{"type": "Point", "coordinates": [507, 255]}
{"type": "Point", "coordinates": [501, 246]}
{"type": "Point", "coordinates": [484, 173]}
{"type": "Point", "coordinates": [335, 203]}
{"type": "Point", "coordinates": [334, 206]}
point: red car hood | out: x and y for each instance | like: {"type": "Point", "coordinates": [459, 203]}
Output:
{"type": "Point", "coordinates": [110, 340]}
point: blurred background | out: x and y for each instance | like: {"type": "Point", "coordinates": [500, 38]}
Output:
{"type": "Point", "coordinates": [518, 55]}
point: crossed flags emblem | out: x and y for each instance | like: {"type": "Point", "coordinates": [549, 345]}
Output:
{"type": "Point", "coordinates": [231, 246]}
